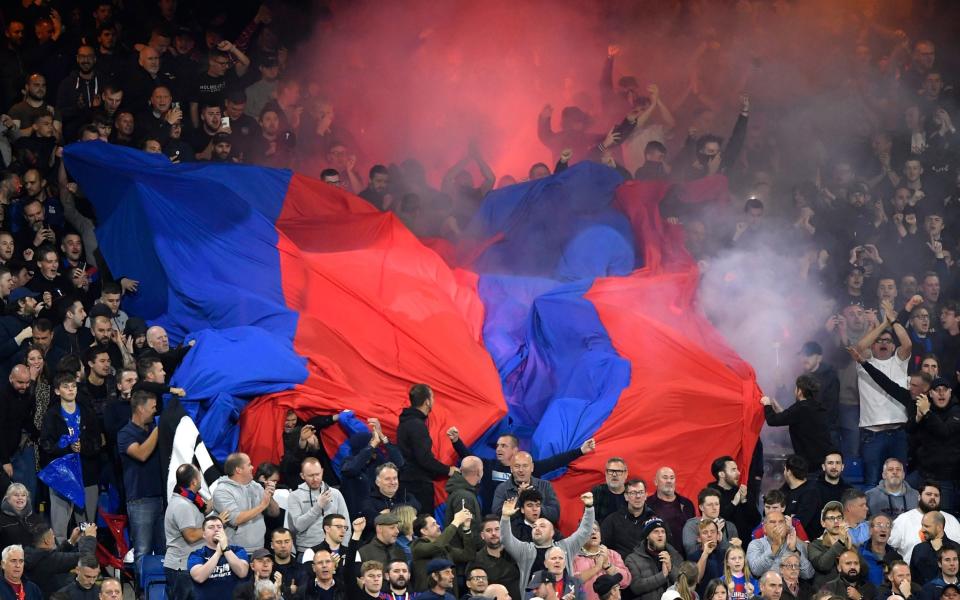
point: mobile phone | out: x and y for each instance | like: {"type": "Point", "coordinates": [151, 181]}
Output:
{"type": "Point", "coordinates": [463, 504]}
{"type": "Point", "coordinates": [225, 122]}
{"type": "Point", "coordinates": [175, 105]}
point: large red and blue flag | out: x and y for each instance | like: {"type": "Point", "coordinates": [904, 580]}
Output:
{"type": "Point", "coordinates": [577, 317]}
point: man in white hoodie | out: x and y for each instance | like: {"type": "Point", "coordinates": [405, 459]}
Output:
{"type": "Point", "coordinates": [309, 503]}
{"type": "Point", "coordinates": [244, 500]}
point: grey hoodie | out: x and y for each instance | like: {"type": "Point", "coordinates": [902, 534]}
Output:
{"type": "Point", "coordinates": [236, 498]}
{"type": "Point", "coordinates": [305, 515]}
{"type": "Point", "coordinates": [879, 500]}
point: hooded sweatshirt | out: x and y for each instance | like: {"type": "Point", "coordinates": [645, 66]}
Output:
{"type": "Point", "coordinates": [236, 498]}
{"type": "Point", "coordinates": [879, 500]}
{"type": "Point", "coordinates": [460, 494]}
{"type": "Point", "coordinates": [305, 514]}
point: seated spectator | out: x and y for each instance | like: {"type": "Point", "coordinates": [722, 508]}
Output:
{"type": "Point", "coordinates": [499, 565]}
{"type": "Point", "coordinates": [902, 536]}
{"type": "Point", "coordinates": [17, 519]}
{"type": "Point", "coordinates": [51, 565]}
{"type": "Point", "coordinates": [779, 539]}
{"type": "Point", "coordinates": [947, 559]}
{"type": "Point", "coordinates": [623, 530]}
{"type": "Point", "coordinates": [261, 565]}
{"type": "Point", "coordinates": [386, 497]}
{"type": "Point", "coordinates": [775, 500]}
{"type": "Point", "coordinates": [383, 547]}
{"type": "Point", "coordinates": [893, 496]}
{"type": "Point", "coordinates": [217, 567]}
{"type": "Point", "coordinates": [708, 558]}
{"type": "Point", "coordinates": [609, 495]}
{"type": "Point", "coordinates": [736, 574]}
{"type": "Point", "coordinates": [899, 582]}
{"type": "Point", "coordinates": [924, 564]}
{"type": "Point", "coordinates": [285, 560]}
{"type": "Point", "coordinates": [594, 560]}
{"type": "Point", "coordinates": [855, 515]}
{"type": "Point", "coordinates": [876, 552]}
{"type": "Point", "coordinates": [831, 483]}
{"type": "Point", "coordinates": [14, 585]}
{"type": "Point", "coordinates": [368, 451]}
{"type": "Point", "coordinates": [794, 588]}
{"type": "Point", "coordinates": [709, 502]}
{"type": "Point", "coordinates": [849, 580]}
{"type": "Point", "coordinates": [84, 586]}
{"type": "Point", "coordinates": [666, 503]}
{"type": "Point", "coordinates": [653, 564]}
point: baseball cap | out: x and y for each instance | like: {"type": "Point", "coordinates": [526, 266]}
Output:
{"type": "Point", "coordinates": [260, 553]}
{"type": "Point", "coordinates": [605, 583]}
{"type": "Point", "coordinates": [810, 349]}
{"type": "Point", "coordinates": [539, 578]}
{"type": "Point", "coordinates": [438, 564]}
{"type": "Point", "coordinates": [939, 381]}
{"type": "Point", "coordinates": [20, 293]}
{"type": "Point", "coordinates": [386, 519]}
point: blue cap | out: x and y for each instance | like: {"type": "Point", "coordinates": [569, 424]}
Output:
{"type": "Point", "coordinates": [438, 564]}
{"type": "Point", "coordinates": [20, 293]}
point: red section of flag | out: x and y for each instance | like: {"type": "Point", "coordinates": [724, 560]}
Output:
{"type": "Point", "coordinates": [691, 399]}
{"type": "Point", "coordinates": [379, 312]}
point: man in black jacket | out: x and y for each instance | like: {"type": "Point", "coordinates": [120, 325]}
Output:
{"type": "Point", "coordinates": [49, 566]}
{"type": "Point", "coordinates": [84, 587]}
{"type": "Point", "coordinates": [413, 438]}
{"type": "Point", "coordinates": [806, 418]}
{"type": "Point", "coordinates": [16, 421]}
{"type": "Point", "coordinates": [811, 360]}
{"type": "Point", "coordinates": [623, 530]}
{"type": "Point", "coordinates": [497, 470]}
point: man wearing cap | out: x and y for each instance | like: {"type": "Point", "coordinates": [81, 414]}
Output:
{"type": "Point", "coordinates": [544, 585]}
{"type": "Point", "coordinates": [935, 421]}
{"type": "Point", "coordinates": [825, 551]}
{"type": "Point", "coordinates": [261, 565]}
{"type": "Point", "coordinates": [440, 580]}
{"type": "Point", "coordinates": [530, 555]}
{"type": "Point", "coordinates": [455, 542]}
{"type": "Point", "coordinates": [812, 363]}
{"type": "Point", "coordinates": [607, 587]}
{"type": "Point", "coordinates": [653, 564]}
{"type": "Point", "coordinates": [882, 417]}
{"type": "Point", "coordinates": [383, 547]}
{"type": "Point", "coordinates": [806, 418]}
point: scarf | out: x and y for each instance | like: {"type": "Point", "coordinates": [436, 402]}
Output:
{"type": "Point", "coordinates": [192, 496]}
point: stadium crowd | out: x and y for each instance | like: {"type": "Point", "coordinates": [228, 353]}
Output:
{"type": "Point", "coordinates": [875, 231]}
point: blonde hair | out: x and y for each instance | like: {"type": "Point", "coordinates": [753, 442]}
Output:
{"type": "Point", "coordinates": [727, 575]}
{"type": "Point", "coordinates": [407, 515]}
{"type": "Point", "coordinates": [687, 580]}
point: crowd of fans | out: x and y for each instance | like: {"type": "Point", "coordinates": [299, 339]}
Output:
{"type": "Point", "coordinates": [873, 232]}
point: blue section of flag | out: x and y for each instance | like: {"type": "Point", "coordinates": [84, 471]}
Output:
{"type": "Point", "coordinates": [199, 237]}
{"type": "Point", "coordinates": [560, 372]}
{"type": "Point", "coordinates": [65, 477]}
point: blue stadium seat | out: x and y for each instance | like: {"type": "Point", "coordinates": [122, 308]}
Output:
{"type": "Point", "coordinates": [152, 582]}
{"type": "Point", "coordinates": [853, 471]}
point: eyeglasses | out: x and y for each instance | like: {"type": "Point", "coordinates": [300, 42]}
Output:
{"type": "Point", "coordinates": [634, 493]}
{"type": "Point", "coordinates": [833, 518]}
{"type": "Point", "coordinates": [791, 567]}
{"type": "Point", "coordinates": [478, 577]}
{"type": "Point", "coordinates": [881, 526]}
{"type": "Point", "coordinates": [616, 471]}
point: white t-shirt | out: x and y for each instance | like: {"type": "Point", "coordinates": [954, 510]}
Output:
{"type": "Point", "coordinates": [905, 534]}
{"type": "Point", "coordinates": [876, 406]}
